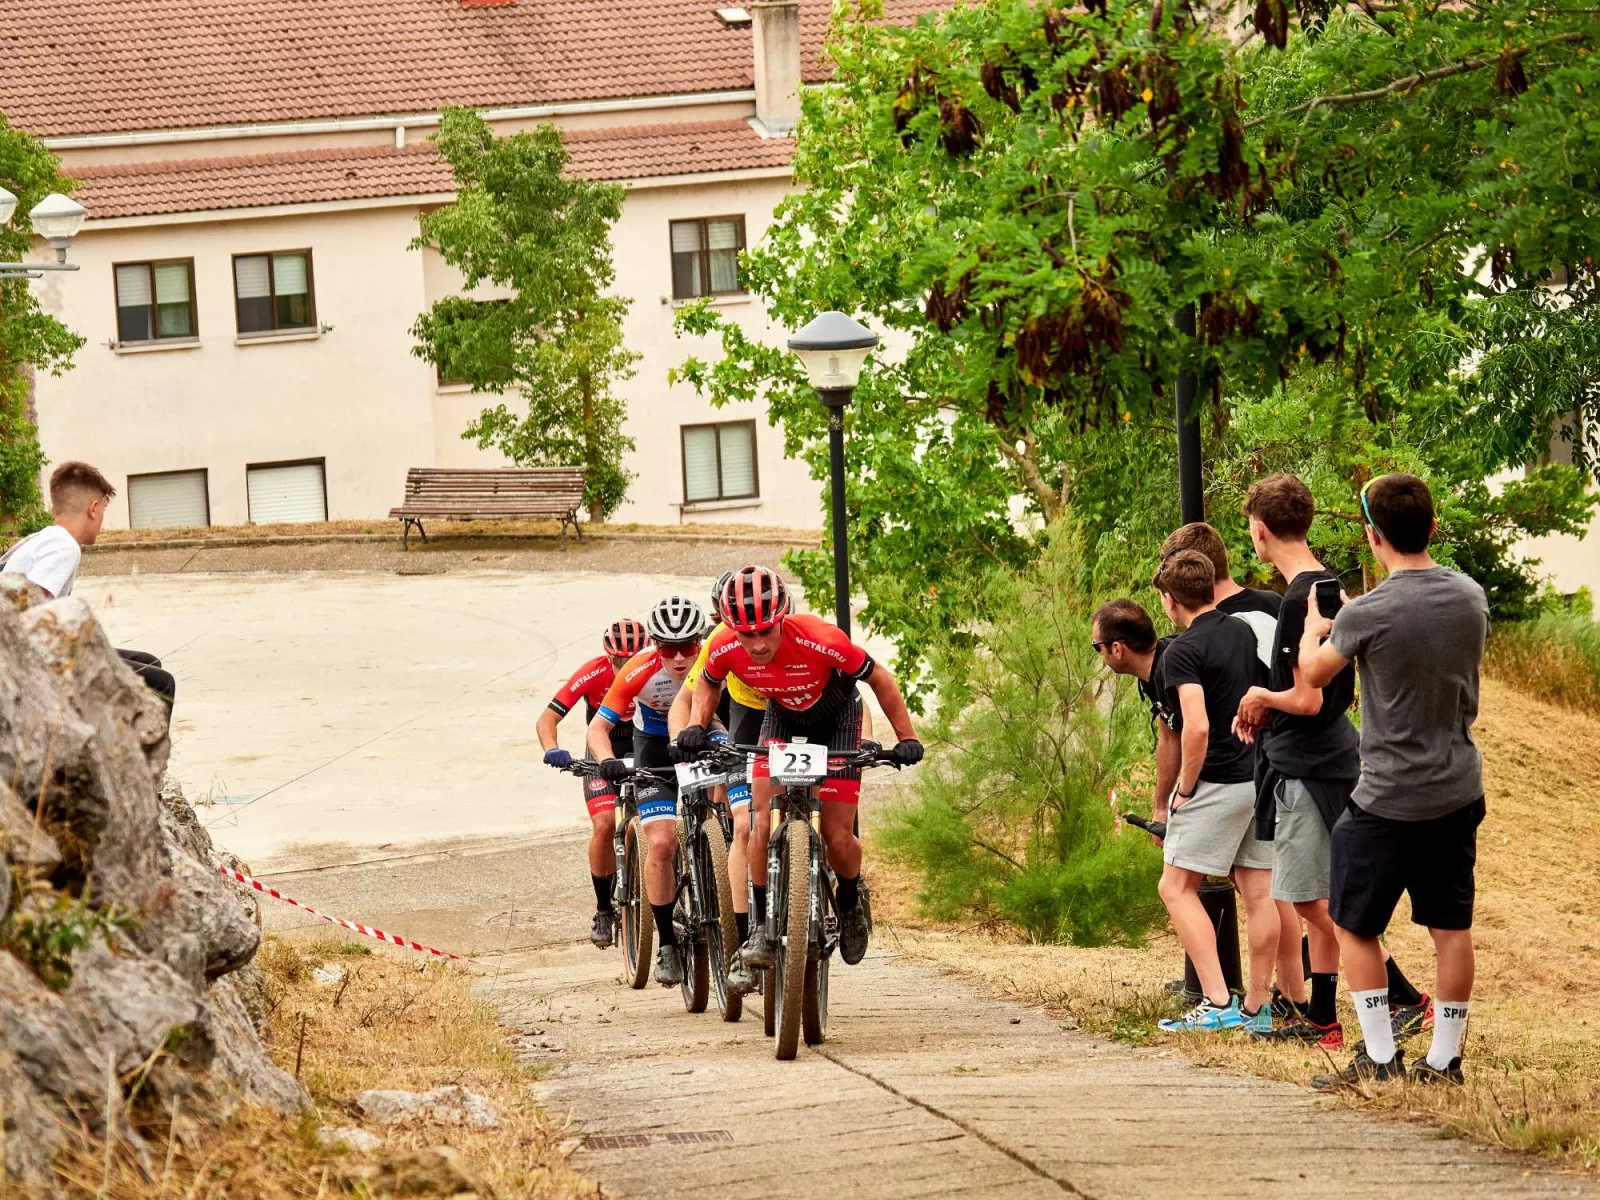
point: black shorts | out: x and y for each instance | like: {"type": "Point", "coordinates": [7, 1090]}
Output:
{"type": "Point", "coordinates": [840, 731]}
{"type": "Point", "coordinates": [744, 724]}
{"type": "Point", "coordinates": [725, 708]}
{"type": "Point", "coordinates": [1375, 859]}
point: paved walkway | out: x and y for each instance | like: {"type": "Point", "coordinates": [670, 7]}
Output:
{"type": "Point", "coordinates": [926, 1089]}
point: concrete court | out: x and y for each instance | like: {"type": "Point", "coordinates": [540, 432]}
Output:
{"type": "Point", "coordinates": [336, 717]}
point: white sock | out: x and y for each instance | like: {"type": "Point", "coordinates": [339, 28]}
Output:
{"type": "Point", "coordinates": [1449, 1028]}
{"type": "Point", "coordinates": [1373, 1010]}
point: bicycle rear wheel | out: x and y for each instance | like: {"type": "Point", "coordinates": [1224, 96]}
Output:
{"type": "Point", "coordinates": [722, 935]}
{"type": "Point", "coordinates": [814, 1008]}
{"type": "Point", "coordinates": [789, 968]}
{"type": "Point", "coordinates": [638, 926]}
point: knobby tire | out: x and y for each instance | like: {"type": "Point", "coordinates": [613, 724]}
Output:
{"type": "Point", "coordinates": [797, 936]}
{"type": "Point", "coordinates": [638, 926]}
{"type": "Point", "coordinates": [696, 985]}
{"type": "Point", "coordinates": [722, 938]}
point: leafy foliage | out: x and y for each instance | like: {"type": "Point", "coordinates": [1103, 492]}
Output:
{"type": "Point", "coordinates": [521, 223]}
{"type": "Point", "coordinates": [1012, 819]}
{"type": "Point", "coordinates": [45, 930]}
{"type": "Point", "coordinates": [30, 339]}
{"type": "Point", "coordinates": [1365, 207]}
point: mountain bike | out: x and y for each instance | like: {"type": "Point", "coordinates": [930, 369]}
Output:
{"type": "Point", "coordinates": [802, 915]}
{"type": "Point", "coordinates": [703, 912]}
{"type": "Point", "coordinates": [637, 932]}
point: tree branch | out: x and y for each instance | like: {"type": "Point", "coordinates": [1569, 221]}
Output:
{"type": "Point", "coordinates": [1412, 82]}
{"type": "Point", "coordinates": [1028, 462]}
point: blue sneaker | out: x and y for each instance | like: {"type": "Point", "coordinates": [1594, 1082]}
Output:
{"type": "Point", "coordinates": [1208, 1018]}
{"type": "Point", "coordinates": [1258, 1022]}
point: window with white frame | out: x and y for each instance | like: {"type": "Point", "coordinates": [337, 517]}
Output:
{"type": "Point", "coordinates": [719, 462]}
{"type": "Point", "coordinates": [705, 256]}
{"type": "Point", "coordinates": [155, 300]}
{"type": "Point", "coordinates": [273, 292]}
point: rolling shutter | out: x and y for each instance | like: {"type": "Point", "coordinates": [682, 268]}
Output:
{"type": "Point", "coordinates": [174, 499]}
{"type": "Point", "coordinates": [285, 494]}
{"type": "Point", "coordinates": [737, 451]}
{"type": "Point", "coordinates": [700, 464]}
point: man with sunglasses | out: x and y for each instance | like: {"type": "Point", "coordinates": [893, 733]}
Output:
{"type": "Point", "coordinates": [589, 683]}
{"type": "Point", "coordinates": [808, 669]}
{"type": "Point", "coordinates": [1124, 637]}
{"type": "Point", "coordinates": [1412, 826]}
{"type": "Point", "coordinates": [647, 684]}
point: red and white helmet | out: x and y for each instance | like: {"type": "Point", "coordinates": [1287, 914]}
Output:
{"type": "Point", "coordinates": [624, 638]}
{"type": "Point", "coordinates": [754, 600]}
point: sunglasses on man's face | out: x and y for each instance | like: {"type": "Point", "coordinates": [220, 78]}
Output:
{"type": "Point", "coordinates": [678, 649]}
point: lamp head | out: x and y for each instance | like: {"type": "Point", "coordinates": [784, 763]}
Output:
{"type": "Point", "coordinates": [57, 219]}
{"type": "Point", "coordinates": [833, 348]}
{"type": "Point", "coordinates": [8, 205]}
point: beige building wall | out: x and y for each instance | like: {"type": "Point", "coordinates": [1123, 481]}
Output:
{"type": "Point", "coordinates": [355, 395]}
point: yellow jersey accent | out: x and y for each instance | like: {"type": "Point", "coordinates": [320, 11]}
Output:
{"type": "Point", "coordinates": [741, 692]}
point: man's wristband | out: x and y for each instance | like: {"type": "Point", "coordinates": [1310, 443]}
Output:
{"type": "Point", "coordinates": [1183, 795]}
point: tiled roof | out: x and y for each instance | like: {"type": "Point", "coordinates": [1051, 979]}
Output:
{"type": "Point", "coordinates": [101, 66]}
{"type": "Point", "coordinates": [369, 172]}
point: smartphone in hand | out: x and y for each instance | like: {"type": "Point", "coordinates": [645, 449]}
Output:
{"type": "Point", "coordinates": [1328, 601]}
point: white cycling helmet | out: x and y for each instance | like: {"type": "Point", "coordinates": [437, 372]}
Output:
{"type": "Point", "coordinates": [676, 619]}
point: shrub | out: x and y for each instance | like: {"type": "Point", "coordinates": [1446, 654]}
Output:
{"type": "Point", "coordinates": [1555, 657]}
{"type": "Point", "coordinates": [46, 928]}
{"type": "Point", "coordinates": [1012, 819]}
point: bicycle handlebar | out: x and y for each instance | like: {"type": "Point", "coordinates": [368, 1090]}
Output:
{"type": "Point", "coordinates": [870, 755]}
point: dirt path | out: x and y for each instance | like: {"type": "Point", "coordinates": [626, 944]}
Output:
{"type": "Point", "coordinates": [925, 1088]}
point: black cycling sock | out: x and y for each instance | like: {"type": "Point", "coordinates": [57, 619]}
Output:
{"type": "Point", "coordinates": [603, 885]}
{"type": "Point", "coordinates": [1400, 989]}
{"type": "Point", "coordinates": [742, 923]}
{"type": "Point", "coordinates": [760, 893]}
{"type": "Point", "coordinates": [664, 929]}
{"type": "Point", "coordinates": [848, 893]}
{"type": "Point", "coordinates": [1324, 988]}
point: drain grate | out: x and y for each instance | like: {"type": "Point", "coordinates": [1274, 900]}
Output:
{"type": "Point", "coordinates": [640, 1141]}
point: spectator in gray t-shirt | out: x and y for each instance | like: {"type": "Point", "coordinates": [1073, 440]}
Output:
{"type": "Point", "coordinates": [1417, 641]}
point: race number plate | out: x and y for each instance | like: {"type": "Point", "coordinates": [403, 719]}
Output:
{"type": "Point", "coordinates": [797, 762]}
{"type": "Point", "coordinates": [699, 774]}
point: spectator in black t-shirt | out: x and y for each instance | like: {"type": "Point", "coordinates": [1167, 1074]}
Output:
{"type": "Point", "coordinates": [1211, 828]}
{"type": "Point", "coordinates": [1256, 607]}
{"type": "Point", "coordinates": [1125, 638]}
{"type": "Point", "coordinates": [1312, 760]}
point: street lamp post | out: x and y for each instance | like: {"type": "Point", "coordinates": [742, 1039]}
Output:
{"type": "Point", "coordinates": [833, 348]}
{"type": "Point", "coordinates": [57, 220]}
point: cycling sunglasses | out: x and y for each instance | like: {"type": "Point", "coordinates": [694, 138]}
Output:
{"type": "Point", "coordinates": [679, 649]}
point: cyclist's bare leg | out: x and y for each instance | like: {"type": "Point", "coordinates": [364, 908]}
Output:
{"type": "Point", "coordinates": [838, 834]}
{"type": "Point", "coordinates": [739, 855]}
{"type": "Point", "coordinates": [602, 849]}
{"type": "Point", "coordinates": [761, 827]}
{"type": "Point", "coordinates": [660, 868]}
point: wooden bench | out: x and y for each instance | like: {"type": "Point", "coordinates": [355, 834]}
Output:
{"type": "Point", "coordinates": [520, 493]}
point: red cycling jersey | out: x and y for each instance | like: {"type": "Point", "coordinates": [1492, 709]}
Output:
{"type": "Point", "coordinates": [589, 683]}
{"type": "Point", "coordinates": [812, 654]}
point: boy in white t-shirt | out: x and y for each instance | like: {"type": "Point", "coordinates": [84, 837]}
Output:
{"type": "Point", "coordinates": [49, 558]}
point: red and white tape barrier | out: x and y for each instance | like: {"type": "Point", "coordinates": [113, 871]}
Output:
{"type": "Point", "coordinates": [393, 939]}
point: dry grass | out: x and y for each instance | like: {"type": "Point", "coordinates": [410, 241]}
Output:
{"type": "Point", "coordinates": [1533, 1048]}
{"type": "Point", "coordinates": [396, 1024]}
{"type": "Point", "coordinates": [1556, 658]}
{"type": "Point", "coordinates": [441, 529]}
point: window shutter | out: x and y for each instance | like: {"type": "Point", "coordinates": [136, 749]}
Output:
{"type": "Point", "coordinates": [172, 283]}
{"type": "Point", "coordinates": [251, 281]}
{"type": "Point", "coordinates": [738, 455]}
{"type": "Point", "coordinates": [133, 286]}
{"type": "Point", "coordinates": [289, 274]}
{"type": "Point", "coordinates": [700, 464]}
{"type": "Point", "coordinates": [685, 237]}
{"type": "Point", "coordinates": [723, 235]}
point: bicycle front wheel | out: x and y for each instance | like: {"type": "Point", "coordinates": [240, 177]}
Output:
{"type": "Point", "coordinates": [638, 926]}
{"type": "Point", "coordinates": [696, 985]}
{"type": "Point", "coordinates": [722, 935]}
{"type": "Point", "coordinates": [789, 970]}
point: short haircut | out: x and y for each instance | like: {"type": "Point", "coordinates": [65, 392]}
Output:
{"type": "Point", "coordinates": [73, 485]}
{"type": "Point", "coordinates": [1283, 504]}
{"type": "Point", "coordinates": [1127, 622]}
{"type": "Point", "coordinates": [1188, 577]}
{"type": "Point", "coordinates": [1200, 537]}
{"type": "Point", "coordinates": [1401, 507]}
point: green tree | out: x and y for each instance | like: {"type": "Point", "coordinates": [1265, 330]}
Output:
{"type": "Point", "coordinates": [30, 339]}
{"type": "Point", "coordinates": [1362, 205]}
{"type": "Point", "coordinates": [522, 223]}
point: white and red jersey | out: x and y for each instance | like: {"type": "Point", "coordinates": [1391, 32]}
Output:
{"type": "Point", "coordinates": [816, 663]}
{"type": "Point", "coordinates": [645, 688]}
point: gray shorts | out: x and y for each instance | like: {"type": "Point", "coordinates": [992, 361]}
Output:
{"type": "Point", "coordinates": [1302, 854]}
{"type": "Point", "coordinates": [1215, 830]}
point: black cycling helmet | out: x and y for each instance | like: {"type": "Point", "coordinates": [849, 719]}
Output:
{"type": "Point", "coordinates": [754, 600]}
{"type": "Point", "coordinates": [716, 595]}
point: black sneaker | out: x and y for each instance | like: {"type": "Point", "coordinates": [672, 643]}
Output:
{"type": "Point", "coordinates": [1408, 1020]}
{"type": "Point", "coordinates": [1425, 1072]}
{"type": "Point", "coordinates": [854, 927]}
{"type": "Point", "coordinates": [1284, 1009]}
{"type": "Point", "coordinates": [758, 949]}
{"type": "Point", "coordinates": [602, 935]}
{"type": "Point", "coordinates": [669, 966]}
{"type": "Point", "coordinates": [1361, 1070]}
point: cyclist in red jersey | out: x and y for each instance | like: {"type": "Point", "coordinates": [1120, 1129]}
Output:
{"type": "Point", "coordinates": [808, 669]}
{"type": "Point", "coordinates": [622, 640]}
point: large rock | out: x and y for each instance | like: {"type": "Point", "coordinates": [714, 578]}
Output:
{"type": "Point", "coordinates": [168, 998]}
{"type": "Point", "coordinates": [452, 1105]}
